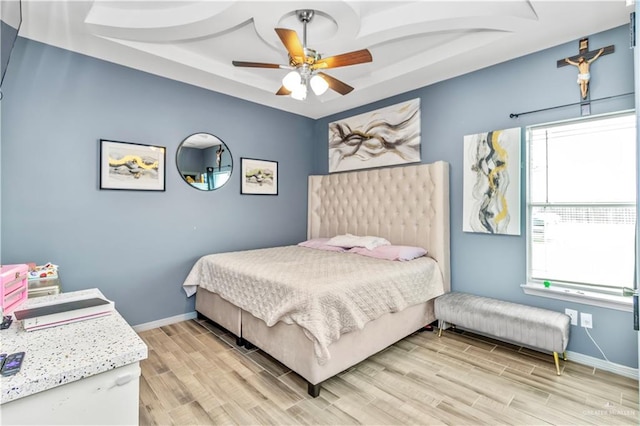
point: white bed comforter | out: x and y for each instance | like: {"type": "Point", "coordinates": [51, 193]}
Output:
{"type": "Point", "coordinates": [326, 293]}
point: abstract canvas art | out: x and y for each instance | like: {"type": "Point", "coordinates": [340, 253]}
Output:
{"type": "Point", "coordinates": [491, 180]}
{"type": "Point", "coordinates": [383, 137]}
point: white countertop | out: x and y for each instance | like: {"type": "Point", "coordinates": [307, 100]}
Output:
{"type": "Point", "coordinates": [59, 355]}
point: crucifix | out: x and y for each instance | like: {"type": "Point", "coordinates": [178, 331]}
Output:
{"type": "Point", "coordinates": [582, 61]}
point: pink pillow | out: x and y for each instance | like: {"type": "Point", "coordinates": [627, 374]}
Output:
{"type": "Point", "coordinates": [391, 252]}
{"type": "Point", "coordinates": [320, 244]}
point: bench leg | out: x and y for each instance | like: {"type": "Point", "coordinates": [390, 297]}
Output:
{"type": "Point", "coordinates": [440, 327]}
{"type": "Point", "coordinates": [555, 358]}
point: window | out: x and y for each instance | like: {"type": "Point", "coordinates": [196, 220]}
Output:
{"type": "Point", "coordinates": [581, 205]}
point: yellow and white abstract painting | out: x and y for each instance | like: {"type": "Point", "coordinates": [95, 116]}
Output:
{"type": "Point", "coordinates": [491, 182]}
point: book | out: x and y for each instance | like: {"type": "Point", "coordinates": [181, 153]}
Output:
{"type": "Point", "coordinates": [63, 312]}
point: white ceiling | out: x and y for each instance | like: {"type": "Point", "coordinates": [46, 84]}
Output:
{"type": "Point", "coordinates": [413, 43]}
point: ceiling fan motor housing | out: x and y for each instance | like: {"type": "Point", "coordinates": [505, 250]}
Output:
{"type": "Point", "coordinates": [311, 56]}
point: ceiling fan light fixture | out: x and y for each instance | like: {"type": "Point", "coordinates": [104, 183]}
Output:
{"type": "Point", "coordinates": [292, 81]}
{"type": "Point", "coordinates": [318, 84]}
{"type": "Point", "coordinates": [300, 92]}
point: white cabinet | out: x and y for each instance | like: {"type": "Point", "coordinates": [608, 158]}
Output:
{"type": "Point", "coordinates": [83, 373]}
{"type": "Point", "coordinates": [109, 398]}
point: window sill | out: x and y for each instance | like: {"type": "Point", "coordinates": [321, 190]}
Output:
{"type": "Point", "coordinates": [619, 303]}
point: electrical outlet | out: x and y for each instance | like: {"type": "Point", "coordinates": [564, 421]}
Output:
{"type": "Point", "coordinates": [586, 320]}
{"type": "Point", "coordinates": [573, 314]}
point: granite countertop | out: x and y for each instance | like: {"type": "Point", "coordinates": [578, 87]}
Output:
{"type": "Point", "coordinates": [59, 355]}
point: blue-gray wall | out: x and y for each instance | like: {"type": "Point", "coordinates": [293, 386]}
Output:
{"type": "Point", "coordinates": [137, 247]}
{"type": "Point", "coordinates": [492, 265]}
{"type": "Point", "coordinates": [8, 35]}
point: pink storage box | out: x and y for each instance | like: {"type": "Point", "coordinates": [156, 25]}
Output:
{"type": "Point", "coordinates": [14, 286]}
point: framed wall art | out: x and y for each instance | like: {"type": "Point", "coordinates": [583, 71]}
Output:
{"type": "Point", "coordinates": [384, 137]}
{"type": "Point", "coordinates": [132, 166]}
{"type": "Point", "coordinates": [259, 177]}
{"type": "Point", "coordinates": [491, 180]}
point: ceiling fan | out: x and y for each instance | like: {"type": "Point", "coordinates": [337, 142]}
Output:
{"type": "Point", "coordinates": [307, 64]}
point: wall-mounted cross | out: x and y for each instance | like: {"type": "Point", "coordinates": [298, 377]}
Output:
{"type": "Point", "coordinates": [582, 61]}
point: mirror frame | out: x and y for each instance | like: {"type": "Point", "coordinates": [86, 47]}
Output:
{"type": "Point", "coordinates": [205, 174]}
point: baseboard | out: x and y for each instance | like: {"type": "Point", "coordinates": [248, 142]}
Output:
{"type": "Point", "coordinates": [164, 321]}
{"type": "Point", "coordinates": [601, 364]}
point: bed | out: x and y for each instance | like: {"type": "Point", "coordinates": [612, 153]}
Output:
{"type": "Point", "coordinates": [293, 302]}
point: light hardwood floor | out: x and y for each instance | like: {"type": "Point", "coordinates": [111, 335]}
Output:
{"type": "Point", "coordinates": [195, 374]}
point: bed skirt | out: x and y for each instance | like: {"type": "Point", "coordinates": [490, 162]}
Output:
{"type": "Point", "coordinates": [288, 344]}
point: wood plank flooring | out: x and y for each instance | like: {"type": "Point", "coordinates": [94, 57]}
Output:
{"type": "Point", "coordinates": [196, 375]}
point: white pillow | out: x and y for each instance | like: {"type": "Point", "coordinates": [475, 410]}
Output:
{"type": "Point", "coordinates": [349, 241]}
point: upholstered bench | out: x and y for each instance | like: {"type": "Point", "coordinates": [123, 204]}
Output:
{"type": "Point", "coordinates": [536, 328]}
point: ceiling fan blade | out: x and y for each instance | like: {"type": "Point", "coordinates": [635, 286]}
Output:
{"type": "Point", "coordinates": [254, 64]}
{"type": "Point", "coordinates": [292, 42]}
{"type": "Point", "coordinates": [351, 58]}
{"type": "Point", "coordinates": [283, 91]}
{"type": "Point", "coordinates": [335, 84]}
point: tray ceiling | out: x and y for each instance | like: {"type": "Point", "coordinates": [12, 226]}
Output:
{"type": "Point", "coordinates": [413, 43]}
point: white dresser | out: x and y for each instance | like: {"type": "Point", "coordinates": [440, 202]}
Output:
{"type": "Point", "coordinates": [81, 373]}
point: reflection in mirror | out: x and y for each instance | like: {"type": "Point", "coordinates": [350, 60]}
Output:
{"type": "Point", "coordinates": [204, 161]}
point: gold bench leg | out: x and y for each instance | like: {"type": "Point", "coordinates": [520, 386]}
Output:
{"type": "Point", "coordinates": [555, 358]}
{"type": "Point", "coordinates": [441, 325]}
{"type": "Point", "coordinates": [564, 355]}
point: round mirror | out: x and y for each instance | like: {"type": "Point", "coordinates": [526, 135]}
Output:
{"type": "Point", "coordinates": [204, 161]}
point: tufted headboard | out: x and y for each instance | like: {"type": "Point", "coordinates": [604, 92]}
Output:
{"type": "Point", "coordinates": [407, 205]}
